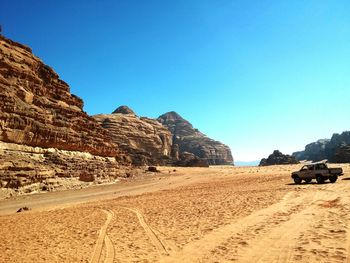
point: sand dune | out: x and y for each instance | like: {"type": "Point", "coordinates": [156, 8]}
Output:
{"type": "Point", "coordinates": [216, 214]}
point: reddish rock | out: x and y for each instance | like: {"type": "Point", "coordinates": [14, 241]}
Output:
{"type": "Point", "coordinates": [37, 108]}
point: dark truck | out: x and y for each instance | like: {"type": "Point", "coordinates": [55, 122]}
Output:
{"type": "Point", "coordinates": [318, 171]}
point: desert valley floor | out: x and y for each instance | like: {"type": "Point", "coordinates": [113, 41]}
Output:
{"type": "Point", "coordinates": [216, 214]}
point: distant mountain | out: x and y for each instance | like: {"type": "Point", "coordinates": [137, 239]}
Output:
{"type": "Point", "coordinates": [193, 141]}
{"type": "Point", "coordinates": [336, 149]}
{"type": "Point", "coordinates": [250, 163]}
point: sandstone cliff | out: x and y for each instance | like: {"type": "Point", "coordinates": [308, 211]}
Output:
{"type": "Point", "coordinates": [37, 109]}
{"type": "Point", "coordinates": [144, 139]}
{"type": "Point", "coordinates": [43, 130]}
{"type": "Point", "coordinates": [335, 149]}
{"type": "Point", "coordinates": [193, 141]}
{"type": "Point", "coordinates": [278, 158]}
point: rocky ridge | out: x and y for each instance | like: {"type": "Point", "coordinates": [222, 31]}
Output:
{"type": "Point", "coordinates": [145, 140]}
{"type": "Point", "coordinates": [45, 134]}
{"type": "Point", "coordinates": [191, 140]}
{"type": "Point", "coordinates": [278, 158]}
{"type": "Point", "coordinates": [334, 150]}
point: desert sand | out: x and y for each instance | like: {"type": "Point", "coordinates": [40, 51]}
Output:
{"type": "Point", "coordinates": [216, 214]}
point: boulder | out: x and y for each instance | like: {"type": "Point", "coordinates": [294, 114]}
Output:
{"type": "Point", "coordinates": [278, 158]}
{"type": "Point", "coordinates": [191, 140]}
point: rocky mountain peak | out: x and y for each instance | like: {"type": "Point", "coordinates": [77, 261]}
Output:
{"type": "Point", "coordinates": [170, 116]}
{"type": "Point", "coordinates": [191, 140]}
{"type": "Point", "coordinates": [124, 110]}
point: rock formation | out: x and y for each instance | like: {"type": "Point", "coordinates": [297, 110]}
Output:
{"type": "Point", "coordinates": [37, 108]}
{"type": "Point", "coordinates": [22, 165]}
{"type": "Point", "coordinates": [43, 130]}
{"type": "Point", "coordinates": [342, 154]}
{"type": "Point", "coordinates": [193, 141]}
{"type": "Point", "coordinates": [313, 151]}
{"type": "Point", "coordinates": [144, 139]}
{"type": "Point", "coordinates": [187, 159]}
{"type": "Point", "coordinates": [278, 158]}
{"type": "Point", "coordinates": [334, 149]}
{"type": "Point", "coordinates": [124, 110]}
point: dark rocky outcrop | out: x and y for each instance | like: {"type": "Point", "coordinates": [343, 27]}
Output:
{"type": "Point", "coordinates": [278, 158]}
{"type": "Point", "coordinates": [342, 154]}
{"type": "Point", "coordinates": [193, 141]}
{"type": "Point", "coordinates": [334, 149]}
{"type": "Point", "coordinates": [313, 151]}
{"type": "Point", "coordinates": [144, 139]}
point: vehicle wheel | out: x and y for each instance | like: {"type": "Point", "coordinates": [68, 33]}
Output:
{"type": "Point", "coordinates": [319, 179]}
{"type": "Point", "coordinates": [333, 179]}
{"type": "Point", "coordinates": [297, 180]}
{"type": "Point", "coordinates": [308, 180]}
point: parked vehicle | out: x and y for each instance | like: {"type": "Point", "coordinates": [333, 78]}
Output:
{"type": "Point", "coordinates": [318, 171]}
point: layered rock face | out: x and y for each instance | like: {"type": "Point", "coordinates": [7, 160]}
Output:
{"type": "Point", "coordinates": [37, 109]}
{"type": "Point", "coordinates": [144, 139]}
{"type": "Point", "coordinates": [334, 149]}
{"type": "Point", "coordinates": [22, 165]}
{"type": "Point", "coordinates": [43, 130]}
{"type": "Point", "coordinates": [193, 141]}
{"type": "Point", "coordinates": [278, 158]}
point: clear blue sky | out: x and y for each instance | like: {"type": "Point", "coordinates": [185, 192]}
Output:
{"type": "Point", "coordinates": [256, 75]}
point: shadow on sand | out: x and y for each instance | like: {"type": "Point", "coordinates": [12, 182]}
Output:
{"type": "Point", "coordinates": [346, 178]}
{"type": "Point", "coordinates": [312, 183]}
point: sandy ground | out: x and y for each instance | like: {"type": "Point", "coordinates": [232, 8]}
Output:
{"type": "Point", "coordinates": [216, 214]}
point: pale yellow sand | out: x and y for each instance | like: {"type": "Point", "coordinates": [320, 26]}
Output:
{"type": "Point", "coordinates": [216, 214]}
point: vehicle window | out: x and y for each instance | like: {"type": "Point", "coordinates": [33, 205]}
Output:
{"type": "Point", "coordinates": [322, 166]}
{"type": "Point", "coordinates": [311, 168]}
{"type": "Point", "coordinates": [304, 168]}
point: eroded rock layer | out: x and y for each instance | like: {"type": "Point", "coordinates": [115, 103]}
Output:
{"type": "Point", "coordinates": [146, 140]}
{"type": "Point", "coordinates": [22, 165]}
{"type": "Point", "coordinates": [193, 141]}
{"type": "Point", "coordinates": [37, 108]}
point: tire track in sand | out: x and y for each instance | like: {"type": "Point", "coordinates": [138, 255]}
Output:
{"type": "Point", "coordinates": [271, 234]}
{"type": "Point", "coordinates": [157, 242]}
{"type": "Point", "coordinates": [195, 251]}
{"type": "Point", "coordinates": [104, 239]}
